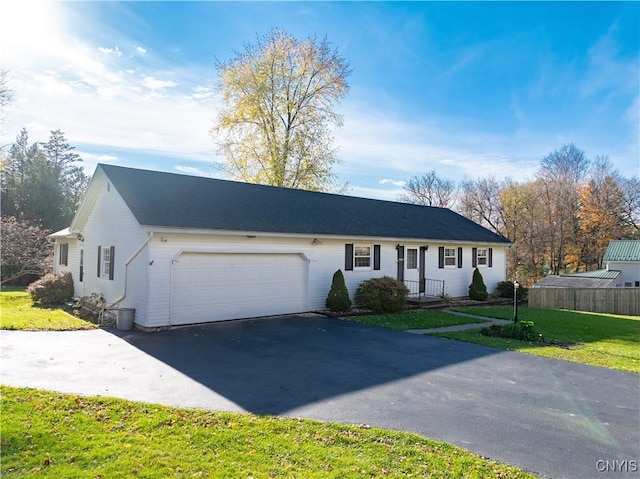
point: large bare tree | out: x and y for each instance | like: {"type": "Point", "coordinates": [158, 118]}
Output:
{"type": "Point", "coordinates": [430, 190]}
{"type": "Point", "coordinates": [279, 100]}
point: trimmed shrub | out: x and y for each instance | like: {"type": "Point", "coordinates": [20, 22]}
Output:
{"type": "Point", "coordinates": [382, 295]}
{"type": "Point", "coordinates": [505, 290]}
{"type": "Point", "coordinates": [477, 288]}
{"type": "Point", "coordinates": [522, 330]}
{"type": "Point", "coordinates": [52, 289]}
{"type": "Point", "coordinates": [338, 298]}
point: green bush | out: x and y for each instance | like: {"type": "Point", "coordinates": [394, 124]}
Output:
{"type": "Point", "coordinates": [382, 295]}
{"type": "Point", "coordinates": [477, 288]}
{"type": "Point", "coordinates": [522, 330]}
{"type": "Point", "coordinates": [52, 289]}
{"type": "Point", "coordinates": [505, 290]}
{"type": "Point", "coordinates": [338, 298]}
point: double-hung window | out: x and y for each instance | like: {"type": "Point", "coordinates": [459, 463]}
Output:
{"type": "Point", "coordinates": [449, 257]}
{"type": "Point", "coordinates": [362, 257]}
{"type": "Point", "coordinates": [64, 254]}
{"type": "Point", "coordinates": [482, 257]}
{"type": "Point", "coordinates": [106, 261]}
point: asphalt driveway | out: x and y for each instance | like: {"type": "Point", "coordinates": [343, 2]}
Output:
{"type": "Point", "coordinates": [553, 418]}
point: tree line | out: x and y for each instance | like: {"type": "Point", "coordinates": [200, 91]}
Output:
{"type": "Point", "coordinates": [41, 188]}
{"type": "Point", "coordinates": [561, 221]}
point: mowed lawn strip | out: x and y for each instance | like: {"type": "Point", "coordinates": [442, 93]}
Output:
{"type": "Point", "coordinates": [56, 435]}
{"type": "Point", "coordinates": [604, 340]}
{"type": "Point", "coordinates": [418, 319]}
{"type": "Point", "coordinates": [18, 312]}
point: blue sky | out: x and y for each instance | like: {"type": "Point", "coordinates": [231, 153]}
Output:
{"type": "Point", "coordinates": [469, 89]}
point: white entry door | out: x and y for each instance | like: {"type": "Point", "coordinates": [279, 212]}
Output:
{"type": "Point", "coordinates": [219, 286]}
{"type": "Point", "coordinates": [411, 264]}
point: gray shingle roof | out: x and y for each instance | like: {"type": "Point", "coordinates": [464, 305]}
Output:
{"type": "Point", "coordinates": [181, 201]}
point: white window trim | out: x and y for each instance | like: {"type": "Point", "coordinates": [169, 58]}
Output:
{"type": "Point", "coordinates": [484, 257]}
{"type": "Point", "coordinates": [455, 257]}
{"type": "Point", "coordinates": [362, 268]}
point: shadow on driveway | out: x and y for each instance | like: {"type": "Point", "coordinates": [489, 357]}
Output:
{"type": "Point", "coordinates": [276, 365]}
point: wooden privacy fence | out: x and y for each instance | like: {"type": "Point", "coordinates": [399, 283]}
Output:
{"type": "Point", "coordinates": [624, 301]}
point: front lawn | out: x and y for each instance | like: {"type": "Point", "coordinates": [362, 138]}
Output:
{"type": "Point", "coordinates": [604, 340]}
{"type": "Point", "coordinates": [53, 435]}
{"type": "Point", "coordinates": [419, 319]}
{"type": "Point", "coordinates": [18, 312]}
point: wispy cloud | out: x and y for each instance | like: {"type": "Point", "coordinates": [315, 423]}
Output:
{"type": "Point", "coordinates": [388, 181]}
{"type": "Point", "coordinates": [128, 104]}
{"type": "Point", "coordinates": [110, 51]}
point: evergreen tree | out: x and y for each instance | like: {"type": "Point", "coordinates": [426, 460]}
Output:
{"type": "Point", "coordinates": [477, 288]}
{"type": "Point", "coordinates": [338, 298]}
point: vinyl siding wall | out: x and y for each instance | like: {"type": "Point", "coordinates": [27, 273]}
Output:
{"type": "Point", "coordinates": [73, 262]}
{"type": "Point", "coordinates": [109, 223]}
{"type": "Point", "coordinates": [629, 273]}
{"type": "Point", "coordinates": [324, 259]}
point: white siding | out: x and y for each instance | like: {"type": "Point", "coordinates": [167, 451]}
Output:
{"type": "Point", "coordinates": [324, 260]}
{"type": "Point", "coordinates": [109, 223]}
{"type": "Point", "coordinates": [629, 273]}
{"type": "Point", "coordinates": [73, 262]}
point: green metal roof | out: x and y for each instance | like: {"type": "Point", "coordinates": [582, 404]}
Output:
{"type": "Point", "coordinates": [598, 274]}
{"type": "Point", "coordinates": [623, 250]}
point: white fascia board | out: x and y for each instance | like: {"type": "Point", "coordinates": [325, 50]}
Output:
{"type": "Point", "coordinates": [258, 234]}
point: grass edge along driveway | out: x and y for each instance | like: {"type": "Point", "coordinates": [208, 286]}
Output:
{"type": "Point", "coordinates": [19, 313]}
{"type": "Point", "coordinates": [76, 436]}
{"type": "Point", "coordinates": [603, 340]}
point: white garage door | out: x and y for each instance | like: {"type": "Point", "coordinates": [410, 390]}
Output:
{"type": "Point", "coordinates": [215, 287]}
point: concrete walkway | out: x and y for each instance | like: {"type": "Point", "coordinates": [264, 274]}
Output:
{"type": "Point", "coordinates": [486, 322]}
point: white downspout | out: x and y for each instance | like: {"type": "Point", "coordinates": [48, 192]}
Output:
{"type": "Point", "coordinates": [126, 268]}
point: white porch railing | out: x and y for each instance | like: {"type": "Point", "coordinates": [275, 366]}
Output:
{"type": "Point", "coordinates": [432, 288]}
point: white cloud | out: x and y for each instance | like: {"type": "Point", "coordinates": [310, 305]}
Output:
{"type": "Point", "coordinates": [141, 50]}
{"type": "Point", "coordinates": [388, 181]}
{"type": "Point", "coordinates": [155, 84]}
{"type": "Point", "coordinates": [99, 101]}
{"type": "Point", "coordinates": [110, 51]}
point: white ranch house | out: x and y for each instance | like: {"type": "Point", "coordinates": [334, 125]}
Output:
{"type": "Point", "coordinates": [181, 249]}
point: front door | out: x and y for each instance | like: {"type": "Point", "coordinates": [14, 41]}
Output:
{"type": "Point", "coordinates": [412, 272]}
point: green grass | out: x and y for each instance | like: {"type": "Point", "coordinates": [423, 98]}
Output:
{"type": "Point", "coordinates": [419, 319]}
{"type": "Point", "coordinates": [603, 340]}
{"type": "Point", "coordinates": [18, 312]}
{"type": "Point", "coordinates": [51, 435]}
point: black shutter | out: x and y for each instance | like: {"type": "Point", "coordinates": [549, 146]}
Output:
{"type": "Point", "coordinates": [99, 251]}
{"type": "Point", "coordinates": [474, 257]}
{"type": "Point", "coordinates": [112, 262]}
{"type": "Point", "coordinates": [422, 267]}
{"type": "Point", "coordinates": [459, 257]}
{"type": "Point", "coordinates": [441, 257]}
{"type": "Point", "coordinates": [490, 257]}
{"type": "Point", "coordinates": [348, 257]}
{"type": "Point", "coordinates": [376, 256]}
{"type": "Point", "coordinates": [400, 274]}
{"type": "Point", "coordinates": [81, 265]}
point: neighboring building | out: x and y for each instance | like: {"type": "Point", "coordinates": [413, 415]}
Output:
{"type": "Point", "coordinates": [624, 256]}
{"type": "Point", "coordinates": [622, 260]}
{"type": "Point", "coordinates": [184, 249]}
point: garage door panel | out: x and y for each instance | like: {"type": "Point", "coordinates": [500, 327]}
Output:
{"type": "Point", "coordinates": [214, 287]}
